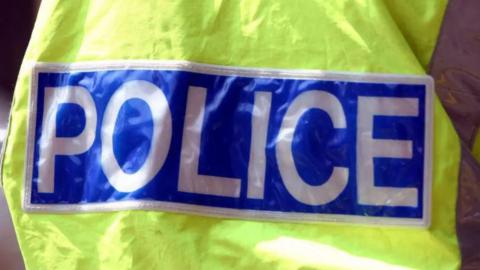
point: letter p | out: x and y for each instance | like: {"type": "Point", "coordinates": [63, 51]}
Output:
{"type": "Point", "coordinates": [50, 145]}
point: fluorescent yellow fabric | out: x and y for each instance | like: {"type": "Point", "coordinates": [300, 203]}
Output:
{"type": "Point", "coordinates": [476, 147]}
{"type": "Point", "coordinates": [359, 36]}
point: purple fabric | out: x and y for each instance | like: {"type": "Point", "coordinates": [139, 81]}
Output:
{"type": "Point", "coordinates": [456, 69]}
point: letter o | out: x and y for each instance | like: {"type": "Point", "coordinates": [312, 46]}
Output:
{"type": "Point", "coordinates": [161, 135]}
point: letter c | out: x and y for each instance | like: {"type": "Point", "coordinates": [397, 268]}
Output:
{"type": "Point", "coordinates": [299, 189]}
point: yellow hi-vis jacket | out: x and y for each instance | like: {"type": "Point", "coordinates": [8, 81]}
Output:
{"type": "Point", "coordinates": [362, 37]}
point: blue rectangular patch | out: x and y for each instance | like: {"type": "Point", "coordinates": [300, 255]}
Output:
{"type": "Point", "coordinates": [233, 142]}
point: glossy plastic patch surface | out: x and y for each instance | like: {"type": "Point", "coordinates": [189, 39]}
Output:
{"type": "Point", "coordinates": [296, 145]}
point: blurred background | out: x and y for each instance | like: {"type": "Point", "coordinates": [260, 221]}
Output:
{"type": "Point", "coordinates": [16, 21]}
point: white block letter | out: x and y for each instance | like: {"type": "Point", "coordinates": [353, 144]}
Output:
{"type": "Point", "coordinates": [256, 164]}
{"type": "Point", "coordinates": [50, 144]}
{"type": "Point", "coordinates": [161, 135]}
{"type": "Point", "coordinates": [369, 148]}
{"type": "Point", "coordinates": [299, 189]}
{"type": "Point", "coordinates": [190, 180]}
